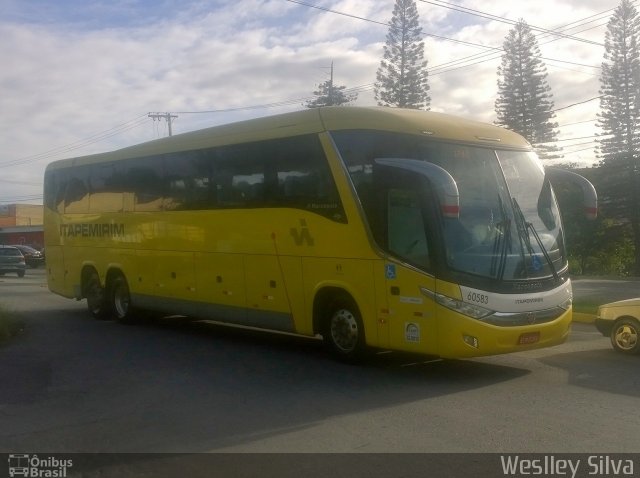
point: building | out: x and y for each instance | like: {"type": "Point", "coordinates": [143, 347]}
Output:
{"type": "Point", "coordinates": [21, 215]}
{"type": "Point", "coordinates": [22, 224]}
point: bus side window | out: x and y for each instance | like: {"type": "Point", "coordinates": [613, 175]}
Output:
{"type": "Point", "coordinates": [106, 188]}
{"type": "Point", "coordinates": [304, 180]}
{"type": "Point", "coordinates": [54, 189]}
{"type": "Point", "coordinates": [188, 180]}
{"type": "Point", "coordinates": [239, 177]}
{"type": "Point", "coordinates": [76, 198]}
{"type": "Point", "coordinates": [145, 178]}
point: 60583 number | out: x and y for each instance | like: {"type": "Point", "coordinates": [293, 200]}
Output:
{"type": "Point", "coordinates": [478, 298]}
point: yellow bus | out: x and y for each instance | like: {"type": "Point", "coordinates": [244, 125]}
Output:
{"type": "Point", "coordinates": [374, 228]}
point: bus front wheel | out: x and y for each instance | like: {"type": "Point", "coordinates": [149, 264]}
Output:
{"type": "Point", "coordinates": [344, 332]}
{"type": "Point", "coordinates": [121, 299]}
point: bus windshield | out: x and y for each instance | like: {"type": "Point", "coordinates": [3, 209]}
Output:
{"type": "Point", "coordinates": [508, 226]}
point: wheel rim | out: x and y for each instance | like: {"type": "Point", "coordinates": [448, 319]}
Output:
{"type": "Point", "coordinates": [626, 337]}
{"type": "Point", "coordinates": [121, 299]}
{"type": "Point", "coordinates": [344, 330]}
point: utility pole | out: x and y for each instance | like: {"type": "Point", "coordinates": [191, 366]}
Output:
{"type": "Point", "coordinates": [167, 116]}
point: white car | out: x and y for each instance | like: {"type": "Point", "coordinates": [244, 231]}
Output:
{"type": "Point", "coordinates": [621, 322]}
{"type": "Point", "coordinates": [11, 260]}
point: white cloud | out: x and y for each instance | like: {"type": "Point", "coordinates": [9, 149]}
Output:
{"type": "Point", "coordinates": [64, 81]}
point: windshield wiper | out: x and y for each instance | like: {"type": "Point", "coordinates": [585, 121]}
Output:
{"type": "Point", "coordinates": [524, 234]}
{"type": "Point", "coordinates": [503, 231]}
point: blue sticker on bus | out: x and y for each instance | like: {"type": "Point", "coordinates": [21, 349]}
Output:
{"type": "Point", "coordinates": [390, 271]}
{"type": "Point", "coordinates": [536, 263]}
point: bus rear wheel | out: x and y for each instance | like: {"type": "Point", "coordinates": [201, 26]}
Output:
{"type": "Point", "coordinates": [96, 297]}
{"type": "Point", "coordinates": [344, 332]}
{"type": "Point", "coordinates": [120, 299]}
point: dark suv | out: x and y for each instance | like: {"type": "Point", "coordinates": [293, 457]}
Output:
{"type": "Point", "coordinates": [32, 257]}
{"type": "Point", "coordinates": [12, 260]}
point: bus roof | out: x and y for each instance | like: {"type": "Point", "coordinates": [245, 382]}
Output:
{"type": "Point", "coordinates": [426, 123]}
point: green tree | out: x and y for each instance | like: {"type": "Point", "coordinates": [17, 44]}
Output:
{"type": "Point", "coordinates": [525, 103]}
{"type": "Point", "coordinates": [330, 94]}
{"type": "Point", "coordinates": [402, 79]}
{"type": "Point", "coordinates": [602, 246]}
{"type": "Point", "coordinates": [619, 120]}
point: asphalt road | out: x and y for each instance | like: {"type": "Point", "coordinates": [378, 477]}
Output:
{"type": "Point", "coordinates": [74, 384]}
{"type": "Point", "coordinates": [606, 290]}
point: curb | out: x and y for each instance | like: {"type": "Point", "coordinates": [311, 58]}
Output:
{"type": "Point", "coordinates": [584, 318]}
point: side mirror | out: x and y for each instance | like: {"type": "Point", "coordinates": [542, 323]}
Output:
{"type": "Point", "coordinates": [443, 183]}
{"type": "Point", "coordinates": [589, 194]}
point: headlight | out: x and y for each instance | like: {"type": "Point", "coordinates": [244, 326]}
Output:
{"type": "Point", "coordinates": [503, 319]}
{"type": "Point", "coordinates": [566, 305]}
{"type": "Point", "coordinates": [471, 310]}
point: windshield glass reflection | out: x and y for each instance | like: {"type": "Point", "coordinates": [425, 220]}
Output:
{"type": "Point", "coordinates": [509, 224]}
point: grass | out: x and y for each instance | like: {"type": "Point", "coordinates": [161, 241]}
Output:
{"type": "Point", "coordinates": [10, 324]}
{"type": "Point", "coordinates": [586, 306]}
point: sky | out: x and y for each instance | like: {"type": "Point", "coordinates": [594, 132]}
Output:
{"type": "Point", "coordinates": [81, 76]}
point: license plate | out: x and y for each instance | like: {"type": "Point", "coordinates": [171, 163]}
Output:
{"type": "Point", "coordinates": [529, 338]}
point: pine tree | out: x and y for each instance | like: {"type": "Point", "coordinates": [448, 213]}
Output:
{"type": "Point", "coordinates": [402, 78]}
{"type": "Point", "coordinates": [619, 120]}
{"type": "Point", "coordinates": [525, 103]}
{"type": "Point", "coordinates": [329, 94]}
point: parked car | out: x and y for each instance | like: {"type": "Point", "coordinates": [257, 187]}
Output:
{"type": "Point", "coordinates": [12, 260]}
{"type": "Point", "coordinates": [621, 322]}
{"type": "Point", "coordinates": [32, 257]}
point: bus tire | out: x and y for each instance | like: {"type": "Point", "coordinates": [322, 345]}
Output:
{"type": "Point", "coordinates": [120, 300]}
{"type": "Point", "coordinates": [97, 303]}
{"type": "Point", "coordinates": [625, 335]}
{"type": "Point", "coordinates": [343, 332]}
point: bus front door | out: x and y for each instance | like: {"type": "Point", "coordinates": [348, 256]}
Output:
{"type": "Point", "coordinates": [403, 232]}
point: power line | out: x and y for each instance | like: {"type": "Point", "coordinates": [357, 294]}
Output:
{"type": "Point", "coordinates": [576, 104]}
{"type": "Point", "coordinates": [12, 199]}
{"type": "Point", "coordinates": [433, 71]}
{"type": "Point", "coordinates": [481, 14]}
{"type": "Point", "coordinates": [478, 45]}
{"type": "Point", "coordinates": [592, 143]}
{"type": "Point", "coordinates": [94, 138]}
{"type": "Point", "coordinates": [571, 139]}
{"type": "Point", "coordinates": [371, 85]}
{"type": "Point", "coordinates": [325, 9]}
{"type": "Point", "coordinates": [245, 108]}
{"type": "Point", "coordinates": [329, 10]}
{"type": "Point", "coordinates": [483, 57]}
{"type": "Point", "coordinates": [577, 122]}
{"type": "Point", "coordinates": [354, 89]}
{"type": "Point", "coordinates": [579, 150]}
{"type": "Point", "coordinates": [24, 183]}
